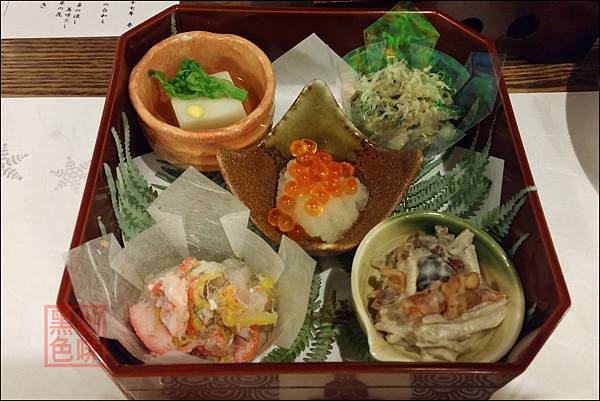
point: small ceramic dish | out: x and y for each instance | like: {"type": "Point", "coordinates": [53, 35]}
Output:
{"type": "Point", "coordinates": [496, 269]}
{"type": "Point", "coordinates": [249, 68]}
{"type": "Point", "coordinates": [252, 174]}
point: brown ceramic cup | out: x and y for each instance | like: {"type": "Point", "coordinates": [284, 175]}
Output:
{"type": "Point", "coordinates": [249, 68]}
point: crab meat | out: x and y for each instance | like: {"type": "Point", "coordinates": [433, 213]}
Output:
{"type": "Point", "coordinates": [149, 329]}
{"type": "Point", "coordinates": [174, 313]}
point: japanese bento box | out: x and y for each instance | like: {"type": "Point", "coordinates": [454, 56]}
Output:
{"type": "Point", "coordinates": [341, 311]}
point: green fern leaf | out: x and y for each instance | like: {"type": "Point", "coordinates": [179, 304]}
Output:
{"type": "Point", "coordinates": [307, 332]}
{"type": "Point", "coordinates": [351, 337]}
{"type": "Point", "coordinates": [325, 332]}
{"type": "Point", "coordinates": [466, 203]}
{"type": "Point", "coordinates": [427, 187]}
{"type": "Point", "coordinates": [497, 222]}
{"type": "Point", "coordinates": [322, 344]}
{"type": "Point", "coordinates": [517, 245]}
{"type": "Point", "coordinates": [130, 193]}
{"type": "Point", "coordinates": [127, 233]}
{"type": "Point", "coordinates": [427, 167]}
{"type": "Point", "coordinates": [101, 226]}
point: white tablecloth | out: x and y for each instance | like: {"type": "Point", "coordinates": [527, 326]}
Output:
{"type": "Point", "coordinates": [46, 147]}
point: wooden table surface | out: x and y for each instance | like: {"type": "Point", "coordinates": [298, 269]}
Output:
{"type": "Point", "coordinates": [82, 67]}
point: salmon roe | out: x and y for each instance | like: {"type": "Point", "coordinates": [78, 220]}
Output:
{"type": "Point", "coordinates": [298, 148]}
{"type": "Point", "coordinates": [296, 233]}
{"type": "Point", "coordinates": [292, 189]}
{"type": "Point", "coordinates": [319, 193]}
{"type": "Point", "coordinates": [285, 223]}
{"type": "Point", "coordinates": [323, 156]}
{"type": "Point", "coordinates": [311, 145]}
{"type": "Point", "coordinates": [286, 204]}
{"type": "Point", "coordinates": [347, 169]}
{"type": "Point", "coordinates": [273, 216]}
{"type": "Point", "coordinates": [305, 159]}
{"type": "Point", "coordinates": [315, 174]}
{"type": "Point", "coordinates": [319, 171]}
{"type": "Point", "coordinates": [313, 207]}
{"type": "Point", "coordinates": [295, 169]}
{"type": "Point", "coordinates": [335, 169]}
{"type": "Point", "coordinates": [350, 186]}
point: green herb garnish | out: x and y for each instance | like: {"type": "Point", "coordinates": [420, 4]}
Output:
{"type": "Point", "coordinates": [192, 81]}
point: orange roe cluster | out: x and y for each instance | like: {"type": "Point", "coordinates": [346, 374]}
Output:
{"type": "Point", "coordinates": [315, 175]}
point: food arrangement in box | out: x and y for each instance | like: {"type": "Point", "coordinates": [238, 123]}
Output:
{"type": "Point", "coordinates": [315, 209]}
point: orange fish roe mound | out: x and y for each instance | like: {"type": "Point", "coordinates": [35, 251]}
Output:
{"type": "Point", "coordinates": [350, 186]}
{"type": "Point", "coordinates": [312, 145]}
{"type": "Point", "coordinates": [273, 217]}
{"type": "Point", "coordinates": [285, 223]}
{"type": "Point", "coordinates": [335, 169]}
{"type": "Point", "coordinates": [319, 193]}
{"type": "Point", "coordinates": [314, 185]}
{"type": "Point", "coordinates": [305, 159]}
{"type": "Point", "coordinates": [296, 233]}
{"type": "Point", "coordinates": [295, 169]}
{"type": "Point", "coordinates": [293, 190]}
{"type": "Point", "coordinates": [313, 207]}
{"type": "Point", "coordinates": [298, 148]}
{"type": "Point", "coordinates": [333, 186]}
{"type": "Point", "coordinates": [286, 204]}
{"type": "Point", "coordinates": [323, 156]}
{"type": "Point", "coordinates": [304, 181]}
{"type": "Point", "coordinates": [347, 169]}
{"type": "Point", "coordinates": [319, 171]}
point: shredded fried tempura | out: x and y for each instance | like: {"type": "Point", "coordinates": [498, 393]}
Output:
{"type": "Point", "coordinates": [399, 106]}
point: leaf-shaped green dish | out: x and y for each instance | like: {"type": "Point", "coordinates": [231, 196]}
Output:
{"type": "Point", "coordinates": [252, 173]}
{"type": "Point", "coordinates": [496, 269]}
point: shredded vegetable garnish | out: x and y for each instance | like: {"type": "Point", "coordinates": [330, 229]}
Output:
{"type": "Point", "coordinates": [400, 106]}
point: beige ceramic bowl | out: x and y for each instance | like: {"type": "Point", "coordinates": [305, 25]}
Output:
{"type": "Point", "coordinates": [250, 69]}
{"type": "Point", "coordinates": [496, 268]}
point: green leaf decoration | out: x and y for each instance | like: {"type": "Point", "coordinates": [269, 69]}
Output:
{"type": "Point", "coordinates": [497, 222]}
{"type": "Point", "coordinates": [130, 193]}
{"type": "Point", "coordinates": [529, 313]}
{"type": "Point", "coordinates": [326, 332]}
{"type": "Point", "coordinates": [350, 335]}
{"type": "Point", "coordinates": [513, 249]}
{"type": "Point", "coordinates": [191, 81]}
{"type": "Point", "coordinates": [101, 226]}
{"type": "Point", "coordinates": [427, 167]}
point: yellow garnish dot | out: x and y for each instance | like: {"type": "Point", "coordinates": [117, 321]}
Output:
{"type": "Point", "coordinates": [195, 111]}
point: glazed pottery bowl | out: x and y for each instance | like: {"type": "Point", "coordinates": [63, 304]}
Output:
{"type": "Point", "coordinates": [249, 68]}
{"type": "Point", "coordinates": [252, 174]}
{"type": "Point", "coordinates": [497, 271]}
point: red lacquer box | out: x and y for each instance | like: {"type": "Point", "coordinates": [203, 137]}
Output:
{"type": "Point", "coordinates": [276, 30]}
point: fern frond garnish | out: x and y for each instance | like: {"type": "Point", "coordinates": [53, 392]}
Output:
{"type": "Point", "coordinates": [427, 167]}
{"type": "Point", "coordinates": [307, 331]}
{"type": "Point", "coordinates": [513, 249]}
{"type": "Point", "coordinates": [130, 193]}
{"type": "Point", "coordinates": [326, 332]}
{"type": "Point", "coordinates": [529, 313]}
{"type": "Point", "coordinates": [497, 222]}
{"type": "Point", "coordinates": [101, 226]}
{"type": "Point", "coordinates": [350, 334]}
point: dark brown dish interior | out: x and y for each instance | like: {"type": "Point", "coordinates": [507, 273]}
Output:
{"type": "Point", "coordinates": [276, 31]}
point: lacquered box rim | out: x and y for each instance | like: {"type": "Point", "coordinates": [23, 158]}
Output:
{"type": "Point", "coordinates": [112, 366]}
